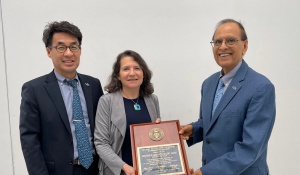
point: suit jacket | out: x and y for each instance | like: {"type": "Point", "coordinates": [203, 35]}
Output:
{"type": "Point", "coordinates": [235, 140]}
{"type": "Point", "coordinates": [45, 132]}
{"type": "Point", "coordinates": [111, 127]}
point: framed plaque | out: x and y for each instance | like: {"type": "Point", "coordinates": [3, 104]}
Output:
{"type": "Point", "coordinates": [158, 149]}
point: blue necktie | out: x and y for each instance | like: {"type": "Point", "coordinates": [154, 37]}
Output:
{"type": "Point", "coordinates": [218, 95]}
{"type": "Point", "coordinates": [83, 145]}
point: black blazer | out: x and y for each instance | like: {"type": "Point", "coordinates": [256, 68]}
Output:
{"type": "Point", "coordinates": [45, 132]}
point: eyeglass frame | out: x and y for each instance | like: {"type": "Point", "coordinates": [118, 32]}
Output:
{"type": "Point", "coordinates": [226, 42]}
{"type": "Point", "coordinates": [79, 47]}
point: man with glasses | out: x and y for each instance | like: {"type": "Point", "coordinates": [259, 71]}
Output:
{"type": "Point", "coordinates": [58, 110]}
{"type": "Point", "coordinates": [237, 110]}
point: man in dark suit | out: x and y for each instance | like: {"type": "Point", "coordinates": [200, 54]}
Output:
{"type": "Point", "coordinates": [47, 126]}
{"type": "Point", "coordinates": [237, 110]}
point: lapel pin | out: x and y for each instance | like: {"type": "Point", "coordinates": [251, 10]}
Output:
{"type": "Point", "coordinates": [233, 87]}
{"type": "Point", "coordinates": [87, 84]}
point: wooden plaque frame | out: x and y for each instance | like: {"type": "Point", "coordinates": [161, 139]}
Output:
{"type": "Point", "coordinates": [152, 138]}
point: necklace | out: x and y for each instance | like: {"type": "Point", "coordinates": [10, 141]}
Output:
{"type": "Point", "coordinates": [136, 106]}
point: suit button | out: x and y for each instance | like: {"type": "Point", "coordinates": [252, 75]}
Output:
{"type": "Point", "coordinates": [208, 141]}
{"type": "Point", "coordinates": [70, 162]}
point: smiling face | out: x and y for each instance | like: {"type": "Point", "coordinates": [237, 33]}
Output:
{"type": "Point", "coordinates": [229, 57]}
{"type": "Point", "coordinates": [130, 74]}
{"type": "Point", "coordinates": [67, 62]}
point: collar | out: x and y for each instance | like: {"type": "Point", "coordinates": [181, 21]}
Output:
{"type": "Point", "coordinates": [228, 77]}
{"type": "Point", "coordinates": [61, 78]}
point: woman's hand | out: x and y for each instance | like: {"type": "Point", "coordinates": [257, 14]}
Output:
{"type": "Point", "coordinates": [129, 170]}
{"type": "Point", "coordinates": [157, 120]}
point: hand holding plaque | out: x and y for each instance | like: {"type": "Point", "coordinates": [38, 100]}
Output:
{"type": "Point", "coordinates": [158, 149]}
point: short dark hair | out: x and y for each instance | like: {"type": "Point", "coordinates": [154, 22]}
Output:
{"type": "Point", "coordinates": [242, 29]}
{"type": "Point", "coordinates": [116, 85]}
{"type": "Point", "coordinates": [57, 27]}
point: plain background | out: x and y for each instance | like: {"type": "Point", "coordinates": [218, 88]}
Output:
{"type": "Point", "coordinates": [173, 37]}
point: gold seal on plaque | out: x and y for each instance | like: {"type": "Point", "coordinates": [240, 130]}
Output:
{"type": "Point", "coordinates": [156, 134]}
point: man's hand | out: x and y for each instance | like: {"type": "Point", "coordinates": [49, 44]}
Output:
{"type": "Point", "coordinates": [197, 172]}
{"type": "Point", "coordinates": [186, 131]}
{"type": "Point", "coordinates": [191, 171]}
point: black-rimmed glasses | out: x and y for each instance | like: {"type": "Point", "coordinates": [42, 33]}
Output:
{"type": "Point", "coordinates": [63, 48]}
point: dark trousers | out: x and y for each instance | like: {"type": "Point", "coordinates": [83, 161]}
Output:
{"type": "Point", "coordinates": [93, 169]}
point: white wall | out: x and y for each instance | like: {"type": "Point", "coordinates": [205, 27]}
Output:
{"type": "Point", "coordinates": [6, 151]}
{"type": "Point", "coordinates": [173, 37]}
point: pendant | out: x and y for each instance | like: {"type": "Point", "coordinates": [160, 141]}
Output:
{"type": "Point", "coordinates": [137, 107]}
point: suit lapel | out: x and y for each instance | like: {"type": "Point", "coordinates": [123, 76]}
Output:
{"type": "Point", "coordinates": [55, 94]}
{"type": "Point", "coordinates": [231, 91]}
{"type": "Point", "coordinates": [210, 100]}
{"type": "Point", "coordinates": [87, 91]}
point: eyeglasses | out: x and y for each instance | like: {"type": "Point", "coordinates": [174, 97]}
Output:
{"type": "Point", "coordinates": [229, 42]}
{"type": "Point", "coordinates": [63, 48]}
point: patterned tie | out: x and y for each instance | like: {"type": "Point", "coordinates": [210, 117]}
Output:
{"type": "Point", "coordinates": [218, 95]}
{"type": "Point", "coordinates": [83, 145]}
